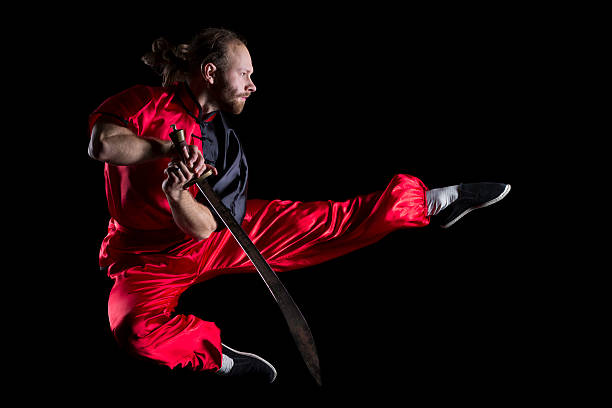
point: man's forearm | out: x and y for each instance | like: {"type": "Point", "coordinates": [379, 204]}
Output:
{"type": "Point", "coordinates": [192, 217]}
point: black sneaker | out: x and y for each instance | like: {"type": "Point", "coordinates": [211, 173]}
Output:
{"type": "Point", "coordinates": [248, 366]}
{"type": "Point", "coordinates": [471, 197]}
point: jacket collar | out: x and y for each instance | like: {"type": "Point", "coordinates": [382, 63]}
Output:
{"type": "Point", "coordinates": [184, 96]}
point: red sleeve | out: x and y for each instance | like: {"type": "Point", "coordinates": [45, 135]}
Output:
{"type": "Point", "coordinates": [125, 108]}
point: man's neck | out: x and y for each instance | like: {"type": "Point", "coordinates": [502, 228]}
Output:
{"type": "Point", "coordinates": [201, 93]}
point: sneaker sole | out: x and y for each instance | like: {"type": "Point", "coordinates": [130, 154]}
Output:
{"type": "Point", "coordinates": [254, 356]}
{"type": "Point", "coordinates": [493, 201]}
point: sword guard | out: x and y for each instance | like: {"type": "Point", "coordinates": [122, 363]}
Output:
{"type": "Point", "coordinates": [204, 175]}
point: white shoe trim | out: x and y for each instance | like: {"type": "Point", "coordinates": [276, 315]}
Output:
{"type": "Point", "coordinates": [254, 356]}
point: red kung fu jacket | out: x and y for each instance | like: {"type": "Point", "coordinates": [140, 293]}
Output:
{"type": "Point", "coordinates": [141, 220]}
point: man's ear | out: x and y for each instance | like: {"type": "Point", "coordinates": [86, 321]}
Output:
{"type": "Point", "coordinates": [209, 72]}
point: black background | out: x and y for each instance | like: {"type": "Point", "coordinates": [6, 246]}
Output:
{"type": "Point", "coordinates": [345, 99]}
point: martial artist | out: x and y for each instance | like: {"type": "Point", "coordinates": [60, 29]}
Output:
{"type": "Point", "coordinates": [162, 238]}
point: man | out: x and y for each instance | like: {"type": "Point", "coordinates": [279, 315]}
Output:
{"type": "Point", "coordinates": [162, 238]}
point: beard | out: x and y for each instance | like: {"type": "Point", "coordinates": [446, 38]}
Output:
{"type": "Point", "coordinates": [230, 99]}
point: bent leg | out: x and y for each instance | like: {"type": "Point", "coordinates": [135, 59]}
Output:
{"type": "Point", "coordinates": [141, 306]}
{"type": "Point", "coordinates": [292, 235]}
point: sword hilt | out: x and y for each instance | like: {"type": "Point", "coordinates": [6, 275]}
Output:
{"type": "Point", "coordinates": [178, 139]}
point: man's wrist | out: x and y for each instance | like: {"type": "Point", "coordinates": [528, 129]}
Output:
{"type": "Point", "coordinates": [177, 197]}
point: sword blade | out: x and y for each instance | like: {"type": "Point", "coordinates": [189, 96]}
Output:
{"type": "Point", "coordinates": [298, 326]}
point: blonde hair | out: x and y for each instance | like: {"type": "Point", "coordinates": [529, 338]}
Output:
{"type": "Point", "coordinates": [175, 62]}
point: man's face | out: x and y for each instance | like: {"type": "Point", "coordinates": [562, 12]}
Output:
{"type": "Point", "coordinates": [234, 84]}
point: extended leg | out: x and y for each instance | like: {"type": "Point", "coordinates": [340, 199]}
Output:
{"type": "Point", "coordinates": [292, 235]}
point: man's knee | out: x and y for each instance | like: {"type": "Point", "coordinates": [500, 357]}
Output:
{"type": "Point", "coordinates": [132, 333]}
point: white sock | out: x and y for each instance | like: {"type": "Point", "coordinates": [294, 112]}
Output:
{"type": "Point", "coordinates": [440, 198]}
{"type": "Point", "coordinates": [226, 364]}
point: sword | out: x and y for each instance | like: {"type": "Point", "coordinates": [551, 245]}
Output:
{"type": "Point", "coordinates": [295, 320]}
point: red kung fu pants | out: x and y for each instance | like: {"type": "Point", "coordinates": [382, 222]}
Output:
{"type": "Point", "coordinates": [290, 235]}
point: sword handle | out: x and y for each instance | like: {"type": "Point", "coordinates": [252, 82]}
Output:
{"type": "Point", "coordinates": [178, 139]}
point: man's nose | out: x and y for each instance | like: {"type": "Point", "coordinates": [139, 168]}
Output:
{"type": "Point", "coordinates": [251, 86]}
